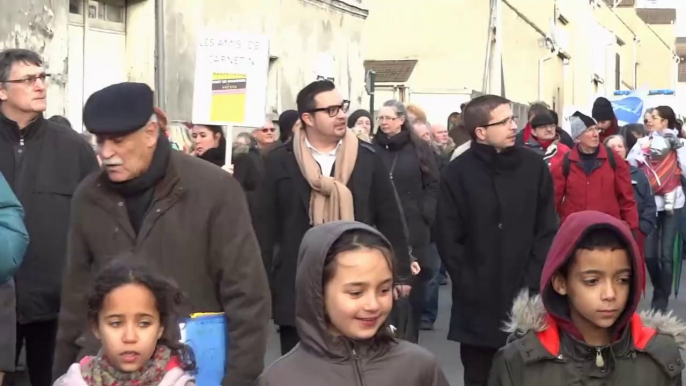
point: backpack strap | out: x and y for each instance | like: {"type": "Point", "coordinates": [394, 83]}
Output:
{"type": "Point", "coordinates": [566, 165]}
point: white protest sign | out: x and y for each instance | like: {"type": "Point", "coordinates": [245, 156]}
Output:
{"type": "Point", "coordinates": [230, 79]}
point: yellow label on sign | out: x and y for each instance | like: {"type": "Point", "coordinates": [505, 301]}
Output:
{"type": "Point", "coordinates": [228, 97]}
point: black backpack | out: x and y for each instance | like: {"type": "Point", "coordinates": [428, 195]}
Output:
{"type": "Point", "coordinates": [610, 158]}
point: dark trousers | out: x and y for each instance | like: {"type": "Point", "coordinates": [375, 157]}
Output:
{"type": "Point", "coordinates": [430, 312]}
{"type": "Point", "coordinates": [477, 364]}
{"type": "Point", "coordinates": [39, 340]}
{"type": "Point", "coordinates": [659, 255]}
{"type": "Point", "coordinates": [289, 338]}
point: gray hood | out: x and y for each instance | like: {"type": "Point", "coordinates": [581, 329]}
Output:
{"type": "Point", "coordinates": [309, 309]}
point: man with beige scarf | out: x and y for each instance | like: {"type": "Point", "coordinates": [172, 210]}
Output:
{"type": "Point", "coordinates": [324, 174]}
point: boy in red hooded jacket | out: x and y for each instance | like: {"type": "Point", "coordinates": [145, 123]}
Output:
{"type": "Point", "coordinates": [583, 329]}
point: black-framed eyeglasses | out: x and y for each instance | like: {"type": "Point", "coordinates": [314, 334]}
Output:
{"type": "Point", "coordinates": [506, 121]}
{"type": "Point", "coordinates": [29, 80]}
{"type": "Point", "coordinates": [333, 110]}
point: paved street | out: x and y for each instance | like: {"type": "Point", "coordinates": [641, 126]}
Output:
{"type": "Point", "coordinates": [448, 353]}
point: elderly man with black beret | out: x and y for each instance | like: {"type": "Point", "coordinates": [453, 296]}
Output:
{"type": "Point", "coordinates": [184, 216]}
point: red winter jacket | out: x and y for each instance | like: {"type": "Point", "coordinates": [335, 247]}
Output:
{"type": "Point", "coordinates": [604, 190]}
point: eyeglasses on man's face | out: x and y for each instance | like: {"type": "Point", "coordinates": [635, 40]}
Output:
{"type": "Point", "coordinates": [333, 110]}
{"type": "Point", "coordinates": [29, 80]}
{"type": "Point", "coordinates": [507, 121]}
{"type": "Point", "coordinates": [268, 130]}
{"type": "Point", "coordinates": [384, 119]}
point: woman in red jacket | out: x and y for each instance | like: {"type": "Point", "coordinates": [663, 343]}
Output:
{"type": "Point", "coordinates": [592, 177]}
{"type": "Point", "coordinates": [544, 139]}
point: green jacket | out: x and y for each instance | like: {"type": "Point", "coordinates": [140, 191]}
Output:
{"type": "Point", "coordinates": [13, 236]}
{"type": "Point", "coordinates": [647, 353]}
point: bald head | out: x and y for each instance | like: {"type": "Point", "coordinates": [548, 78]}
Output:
{"type": "Point", "coordinates": [440, 134]}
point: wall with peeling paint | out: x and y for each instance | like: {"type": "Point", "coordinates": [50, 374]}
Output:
{"type": "Point", "coordinates": [302, 33]}
{"type": "Point", "coordinates": [40, 25]}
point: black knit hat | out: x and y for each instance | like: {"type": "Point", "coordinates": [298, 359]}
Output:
{"type": "Point", "coordinates": [352, 119]}
{"type": "Point", "coordinates": [544, 119]}
{"type": "Point", "coordinates": [602, 110]}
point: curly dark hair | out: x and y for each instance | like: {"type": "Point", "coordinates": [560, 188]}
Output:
{"type": "Point", "coordinates": [168, 298]}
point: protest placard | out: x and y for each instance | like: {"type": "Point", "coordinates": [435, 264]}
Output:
{"type": "Point", "coordinates": [230, 79]}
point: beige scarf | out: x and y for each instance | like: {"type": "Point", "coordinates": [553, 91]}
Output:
{"type": "Point", "coordinates": [330, 200]}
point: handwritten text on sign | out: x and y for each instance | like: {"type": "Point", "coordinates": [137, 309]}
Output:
{"type": "Point", "coordinates": [231, 79]}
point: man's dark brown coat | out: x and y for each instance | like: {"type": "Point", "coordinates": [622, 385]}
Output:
{"type": "Point", "coordinates": [199, 233]}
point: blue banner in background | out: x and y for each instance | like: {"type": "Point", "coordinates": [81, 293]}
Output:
{"type": "Point", "coordinates": [629, 109]}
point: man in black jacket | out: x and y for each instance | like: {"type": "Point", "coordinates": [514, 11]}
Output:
{"type": "Point", "coordinates": [495, 222]}
{"type": "Point", "coordinates": [285, 212]}
{"type": "Point", "coordinates": [43, 163]}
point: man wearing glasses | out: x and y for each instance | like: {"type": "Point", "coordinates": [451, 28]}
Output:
{"type": "Point", "coordinates": [324, 174]}
{"type": "Point", "coordinates": [265, 136]}
{"type": "Point", "coordinates": [593, 177]}
{"type": "Point", "coordinates": [494, 224]}
{"type": "Point", "coordinates": [43, 163]}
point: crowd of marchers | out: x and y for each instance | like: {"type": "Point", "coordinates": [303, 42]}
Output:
{"type": "Point", "coordinates": [342, 234]}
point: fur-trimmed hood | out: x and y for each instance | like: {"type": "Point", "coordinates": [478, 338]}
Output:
{"type": "Point", "coordinates": [529, 314]}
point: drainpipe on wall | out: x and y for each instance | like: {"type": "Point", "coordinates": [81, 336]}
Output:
{"type": "Point", "coordinates": [160, 56]}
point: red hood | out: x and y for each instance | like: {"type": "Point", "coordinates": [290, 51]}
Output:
{"type": "Point", "coordinates": [562, 249]}
{"type": "Point", "coordinates": [612, 130]}
{"type": "Point", "coordinates": [527, 132]}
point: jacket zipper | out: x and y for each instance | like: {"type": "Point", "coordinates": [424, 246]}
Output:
{"type": "Point", "coordinates": [358, 368]}
{"type": "Point", "coordinates": [599, 361]}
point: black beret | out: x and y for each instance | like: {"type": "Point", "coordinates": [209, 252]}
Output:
{"type": "Point", "coordinates": [352, 119]}
{"type": "Point", "coordinates": [119, 109]}
{"type": "Point", "coordinates": [544, 119]}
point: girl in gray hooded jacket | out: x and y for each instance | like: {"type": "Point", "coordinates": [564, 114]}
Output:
{"type": "Point", "coordinates": [344, 294]}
